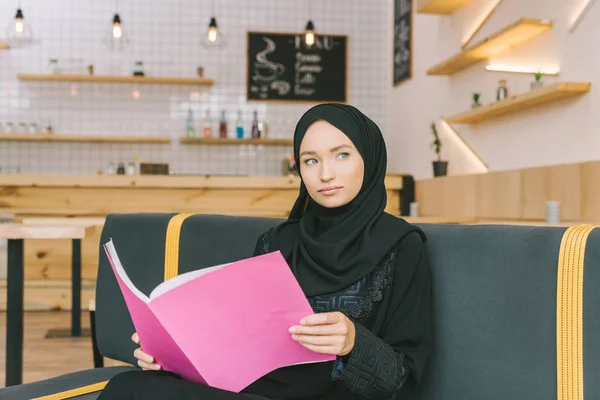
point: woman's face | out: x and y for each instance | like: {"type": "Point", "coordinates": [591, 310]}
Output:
{"type": "Point", "coordinates": [332, 168]}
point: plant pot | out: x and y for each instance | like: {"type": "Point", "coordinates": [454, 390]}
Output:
{"type": "Point", "coordinates": [475, 105]}
{"type": "Point", "coordinates": [440, 168]}
{"type": "Point", "coordinates": [536, 85]}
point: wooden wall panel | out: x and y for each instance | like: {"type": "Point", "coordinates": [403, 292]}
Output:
{"type": "Point", "coordinates": [535, 190]}
{"type": "Point", "coordinates": [460, 196]}
{"type": "Point", "coordinates": [559, 183]}
{"type": "Point", "coordinates": [566, 187]}
{"type": "Point", "coordinates": [499, 195]}
{"type": "Point", "coordinates": [590, 194]}
{"type": "Point", "coordinates": [429, 193]}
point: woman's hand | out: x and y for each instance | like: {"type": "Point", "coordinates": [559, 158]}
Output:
{"type": "Point", "coordinates": [145, 361]}
{"type": "Point", "coordinates": [327, 333]}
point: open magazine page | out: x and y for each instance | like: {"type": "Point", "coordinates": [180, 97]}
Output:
{"type": "Point", "coordinates": [154, 336]}
{"type": "Point", "coordinates": [242, 312]}
{"type": "Point", "coordinates": [181, 279]}
{"type": "Point", "coordinates": [118, 267]}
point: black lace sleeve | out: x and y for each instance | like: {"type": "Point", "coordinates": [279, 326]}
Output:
{"type": "Point", "coordinates": [374, 370]}
{"type": "Point", "coordinates": [380, 366]}
{"type": "Point", "coordinates": [262, 244]}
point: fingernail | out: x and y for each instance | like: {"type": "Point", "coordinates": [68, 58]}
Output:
{"type": "Point", "coordinates": [302, 321]}
{"type": "Point", "coordinates": [294, 337]}
{"type": "Point", "coordinates": [292, 330]}
{"type": "Point", "coordinates": [157, 366]}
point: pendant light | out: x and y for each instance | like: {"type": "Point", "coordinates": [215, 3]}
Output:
{"type": "Point", "coordinates": [116, 39]}
{"type": "Point", "coordinates": [19, 25]}
{"type": "Point", "coordinates": [18, 31]}
{"type": "Point", "coordinates": [309, 35]}
{"type": "Point", "coordinates": [213, 37]}
{"type": "Point", "coordinates": [116, 31]}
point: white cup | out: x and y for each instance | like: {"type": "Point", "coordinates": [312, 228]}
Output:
{"type": "Point", "coordinates": [414, 209]}
{"type": "Point", "coordinates": [553, 212]}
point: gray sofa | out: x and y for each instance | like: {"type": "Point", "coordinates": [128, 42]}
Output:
{"type": "Point", "coordinates": [496, 291]}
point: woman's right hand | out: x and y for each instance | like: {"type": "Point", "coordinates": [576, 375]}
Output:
{"type": "Point", "coordinates": [145, 361]}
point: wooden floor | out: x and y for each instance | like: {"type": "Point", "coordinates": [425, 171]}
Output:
{"type": "Point", "coordinates": [46, 358]}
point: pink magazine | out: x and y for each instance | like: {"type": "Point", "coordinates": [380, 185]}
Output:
{"type": "Point", "coordinates": [225, 326]}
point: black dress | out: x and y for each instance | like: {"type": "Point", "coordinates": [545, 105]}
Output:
{"type": "Point", "coordinates": [391, 310]}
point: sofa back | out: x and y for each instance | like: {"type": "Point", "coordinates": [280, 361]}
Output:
{"type": "Point", "coordinates": [500, 300]}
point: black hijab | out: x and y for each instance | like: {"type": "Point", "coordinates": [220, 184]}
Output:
{"type": "Point", "coordinates": [329, 249]}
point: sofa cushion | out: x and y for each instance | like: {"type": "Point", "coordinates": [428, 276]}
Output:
{"type": "Point", "coordinates": [63, 383]}
{"type": "Point", "coordinates": [495, 299]}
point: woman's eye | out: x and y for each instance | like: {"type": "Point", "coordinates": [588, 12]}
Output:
{"type": "Point", "coordinates": [310, 161]}
{"type": "Point", "coordinates": [343, 155]}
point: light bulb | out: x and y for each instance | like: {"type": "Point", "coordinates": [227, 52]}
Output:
{"type": "Point", "coordinates": [117, 31]}
{"type": "Point", "coordinates": [309, 36]}
{"type": "Point", "coordinates": [19, 26]}
{"type": "Point", "coordinates": [212, 34]}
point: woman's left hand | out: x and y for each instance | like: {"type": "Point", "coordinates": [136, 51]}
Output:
{"type": "Point", "coordinates": [327, 333]}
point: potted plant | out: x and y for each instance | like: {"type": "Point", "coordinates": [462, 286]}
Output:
{"type": "Point", "coordinates": [476, 102]}
{"type": "Point", "coordinates": [440, 168]}
{"type": "Point", "coordinates": [538, 81]}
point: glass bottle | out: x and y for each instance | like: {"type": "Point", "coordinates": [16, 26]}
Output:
{"type": "Point", "coordinates": [255, 131]}
{"type": "Point", "coordinates": [223, 126]}
{"type": "Point", "coordinates": [239, 129]}
{"type": "Point", "coordinates": [190, 130]}
{"type": "Point", "coordinates": [121, 168]}
{"type": "Point", "coordinates": [208, 125]}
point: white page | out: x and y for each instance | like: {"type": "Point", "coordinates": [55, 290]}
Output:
{"type": "Point", "coordinates": [121, 271]}
{"type": "Point", "coordinates": [181, 279]}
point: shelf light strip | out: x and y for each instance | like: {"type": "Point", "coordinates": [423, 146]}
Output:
{"type": "Point", "coordinates": [522, 69]}
{"type": "Point", "coordinates": [466, 148]}
{"type": "Point", "coordinates": [585, 7]}
{"type": "Point", "coordinates": [486, 16]}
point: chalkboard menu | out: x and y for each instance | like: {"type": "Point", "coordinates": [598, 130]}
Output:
{"type": "Point", "coordinates": [402, 40]}
{"type": "Point", "coordinates": [282, 67]}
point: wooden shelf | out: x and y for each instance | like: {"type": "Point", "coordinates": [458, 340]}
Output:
{"type": "Point", "coordinates": [513, 35]}
{"type": "Point", "coordinates": [4, 45]}
{"type": "Point", "coordinates": [84, 138]}
{"type": "Point", "coordinates": [267, 142]}
{"type": "Point", "coordinates": [439, 6]}
{"type": "Point", "coordinates": [115, 79]}
{"type": "Point", "coordinates": [520, 102]}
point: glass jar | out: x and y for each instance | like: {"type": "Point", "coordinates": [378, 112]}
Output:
{"type": "Point", "coordinates": [502, 92]}
{"type": "Point", "coordinates": [111, 170]}
{"type": "Point", "coordinates": [130, 170]}
{"type": "Point", "coordinates": [138, 69]}
{"type": "Point", "coordinates": [53, 66]}
{"type": "Point", "coordinates": [9, 127]}
{"type": "Point", "coordinates": [33, 128]}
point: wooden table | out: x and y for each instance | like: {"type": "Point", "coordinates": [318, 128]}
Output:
{"type": "Point", "coordinates": [15, 234]}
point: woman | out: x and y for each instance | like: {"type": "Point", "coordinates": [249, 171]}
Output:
{"type": "Point", "coordinates": [364, 272]}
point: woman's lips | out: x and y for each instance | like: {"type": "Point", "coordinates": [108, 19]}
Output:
{"type": "Point", "coordinates": [330, 190]}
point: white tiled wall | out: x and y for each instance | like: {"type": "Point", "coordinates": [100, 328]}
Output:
{"type": "Point", "coordinates": [166, 36]}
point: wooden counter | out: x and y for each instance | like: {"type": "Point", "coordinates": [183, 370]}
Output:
{"type": "Point", "coordinates": [79, 197]}
{"type": "Point", "coordinates": [101, 195]}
